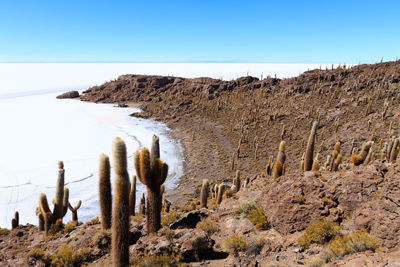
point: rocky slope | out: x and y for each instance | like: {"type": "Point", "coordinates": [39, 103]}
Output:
{"type": "Point", "coordinates": [227, 126]}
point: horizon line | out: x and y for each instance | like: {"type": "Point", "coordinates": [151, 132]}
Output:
{"type": "Point", "coordinates": [194, 61]}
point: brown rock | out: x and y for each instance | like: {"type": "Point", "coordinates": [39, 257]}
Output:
{"type": "Point", "coordinates": [70, 94]}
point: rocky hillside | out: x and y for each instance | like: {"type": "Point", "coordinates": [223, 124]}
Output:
{"type": "Point", "coordinates": [341, 213]}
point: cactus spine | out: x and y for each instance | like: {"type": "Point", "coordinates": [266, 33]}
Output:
{"type": "Point", "coordinates": [152, 172]}
{"type": "Point", "coordinates": [204, 193]}
{"type": "Point", "coordinates": [120, 216]}
{"type": "Point", "coordinates": [280, 160]}
{"type": "Point", "coordinates": [132, 197]}
{"type": "Point", "coordinates": [308, 160]}
{"type": "Point", "coordinates": [105, 192]}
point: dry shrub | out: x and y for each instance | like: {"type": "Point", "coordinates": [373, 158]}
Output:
{"type": "Point", "coordinates": [208, 226]}
{"type": "Point", "coordinates": [319, 232]}
{"type": "Point", "coordinates": [169, 219]}
{"type": "Point", "coordinates": [166, 258]}
{"type": "Point", "coordinates": [235, 244]}
{"type": "Point", "coordinates": [102, 239]}
{"type": "Point", "coordinates": [258, 219]}
{"type": "Point", "coordinates": [93, 221]}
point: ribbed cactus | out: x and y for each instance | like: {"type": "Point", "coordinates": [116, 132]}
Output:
{"type": "Point", "coordinates": [105, 199]}
{"type": "Point", "coordinates": [120, 215]}
{"type": "Point", "coordinates": [316, 165]}
{"type": "Point", "coordinates": [394, 151]}
{"type": "Point", "coordinates": [152, 172]}
{"type": "Point", "coordinates": [65, 201]}
{"type": "Point", "coordinates": [270, 165]}
{"type": "Point", "coordinates": [74, 210]}
{"type": "Point", "coordinates": [337, 162]}
{"type": "Point", "coordinates": [60, 202]}
{"type": "Point", "coordinates": [142, 205]}
{"type": "Point", "coordinates": [215, 191]}
{"type": "Point", "coordinates": [40, 219]}
{"type": "Point", "coordinates": [368, 159]}
{"type": "Point", "coordinates": [236, 181]}
{"type": "Point", "coordinates": [221, 189]}
{"type": "Point", "coordinates": [309, 157]}
{"type": "Point", "coordinates": [58, 210]}
{"type": "Point", "coordinates": [335, 153]}
{"type": "Point", "coordinates": [280, 160]}
{"type": "Point", "coordinates": [45, 211]}
{"type": "Point", "coordinates": [359, 159]}
{"type": "Point", "coordinates": [328, 163]}
{"type": "Point", "coordinates": [389, 149]}
{"type": "Point", "coordinates": [15, 220]}
{"type": "Point", "coordinates": [302, 161]}
{"type": "Point", "coordinates": [166, 206]}
{"type": "Point", "coordinates": [204, 193]}
{"type": "Point", "coordinates": [132, 197]}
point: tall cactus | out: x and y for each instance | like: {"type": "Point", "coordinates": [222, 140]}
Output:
{"type": "Point", "coordinates": [221, 189]}
{"type": "Point", "coordinates": [280, 160]}
{"type": "Point", "coordinates": [394, 151]}
{"type": "Point", "coordinates": [120, 215]}
{"type": "Point", "coordinates": [45, 211]}
{"type": "Point", "coordinates": [58, 210]}
{"type": "Point", "coordinates": [236, 180]}
{"type": "Point", "coordinates": [105, 192]}
{"type": "Point", "coordinates": [15, 220]}
{"type": "Point", "coordinates": [309, 157]}
{"type": "Point", "coordinates": [142, 205]}
{"type": "Point", "coordinates": [204, 193]}
{"type": "Point", "coordinates": [40, 219]}
{"type": "Point", "coordinates": [132, 197]}
{"type": "Point", "coordinates": [152, 172]}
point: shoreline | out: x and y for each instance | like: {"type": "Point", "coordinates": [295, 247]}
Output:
{"type": "Point", "coordinates": [225, 126]}
{"type": "Point", "coordinates": [192, 176]}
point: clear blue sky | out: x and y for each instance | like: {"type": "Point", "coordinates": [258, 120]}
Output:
{"type": "Point", "coordinates": [308, 31]}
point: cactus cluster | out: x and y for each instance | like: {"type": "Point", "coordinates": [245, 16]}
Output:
{"type": "Point", "coordinates": [360, 158]}
{"type": "Point", "coordinates": [61, 203]}
{"type": "Point", "coordinates": [152, 172]}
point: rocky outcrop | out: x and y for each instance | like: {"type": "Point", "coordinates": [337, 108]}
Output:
{"type": "Point", "coordinates": [295, 200]}
{"type": "Point", "coordinates": [70, 94]}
